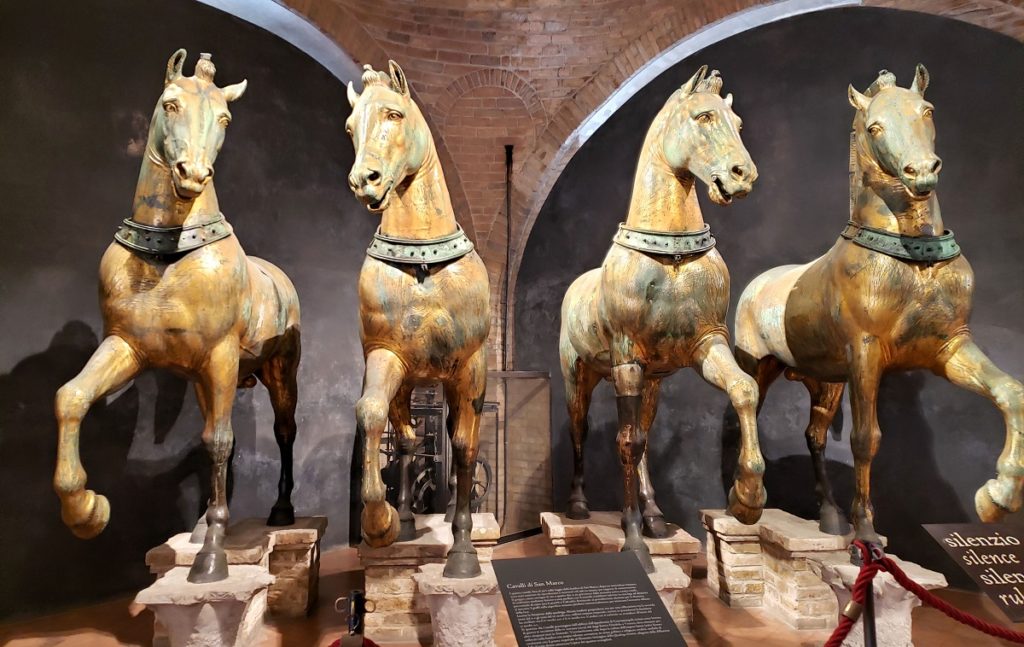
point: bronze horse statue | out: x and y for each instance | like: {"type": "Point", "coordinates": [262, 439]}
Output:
{"type": "Point", "coordinates": [658, 303]}
{"type": "Point", "coordinates": [893, 293]}
{"type": "Point", "coordinates": [177, 292]}
{"type": "Point", "coordinates": [423, 307]}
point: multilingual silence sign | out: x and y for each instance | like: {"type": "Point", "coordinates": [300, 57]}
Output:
{"type": "Point", "coordinates": [993, 555]}
{"type": "Point", "coordinates": [596, 599]}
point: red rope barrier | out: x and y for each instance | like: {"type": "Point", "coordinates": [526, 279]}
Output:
{"type": "Point", "coordinates": [870, 567]}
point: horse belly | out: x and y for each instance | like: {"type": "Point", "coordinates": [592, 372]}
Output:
{"type": "Point", "coordinates": [761, 314]}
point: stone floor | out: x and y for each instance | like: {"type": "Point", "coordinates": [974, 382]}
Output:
{"type": "Point", "coordinates": [109, 624]}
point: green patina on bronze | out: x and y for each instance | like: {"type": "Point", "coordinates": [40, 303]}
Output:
{"type": "Point", "coordinates": [420, 252]}
{"type": "Point", "coordinates": [666, 243]}
{"type": "Point", "coordinates": [167, 241]}
{"type": "Point", "coordinates": [920, 249]}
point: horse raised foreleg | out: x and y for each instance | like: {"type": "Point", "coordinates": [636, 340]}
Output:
{"type": "Point", "coordinates": [865, 375]}
{"type": "Point", "coordinates": [716, 364]}
{"type": "Point", "coordinates": [970, 368]}
{"type": "Point", "coordinates": [111, 366]}
{"type": "Point", "coordinates": [825, 399]}
{"type": "Point", "coordinates": [384, 376]}
{"type": "Point", "coordinates": [217, 382]}
{"type": "Point", "coordinates": [580, 381]}
{"type": "Point", "coordinates": [632, 443]}
{"type": "Point", "coordinates": [654, 519]}
{"type": "Point", "coordinates": [278, 375]}
{"type": "Point", "coordinates": [467, 389]}
{"type": "Point", "coordinates": [401, 420]}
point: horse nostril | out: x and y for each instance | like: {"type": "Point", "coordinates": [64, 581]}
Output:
{"type": "Point", "coordinates": [739, 171]}
{"type": "Point", "coordinates": [373, 177]}
{"type": "Point", "coordinates": [209, 174]}
{"type": "Point", "coordinates": [181, 169]}
{"type": "Point", "coordinates": [936, 165]}
{"type": "Point", "coordinates": [910, 170]}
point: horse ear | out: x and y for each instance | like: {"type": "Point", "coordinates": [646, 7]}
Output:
{"type": "Point", "coordinates": [728, 99]}
{"type": "Point", "coordinates": [232, 92]}
{"type": "Point", "coordinates": [174, 66]}
{"type": "Point", "coordinates": [858, 100]}
{"type": "Point", "coordinates": [921, 79]}
{"type": "Point", "coordinates": [691, 85]}
{"type": "Point", "coordinates": [353, 96]}
{"type": "Point", "coordinates": [398, 80]}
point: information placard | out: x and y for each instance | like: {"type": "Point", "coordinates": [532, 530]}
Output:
{"type": "Point", "coordinates": [993, 555]}
{"type": "Point", "coordinates": [594, 599]}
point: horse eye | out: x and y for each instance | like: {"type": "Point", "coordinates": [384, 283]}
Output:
{"type": "Point", "coordinates": [171, 106]}
{"type": "Point", "coordinates": [704, 117]}
{"type": "Point", "coordinates": [225, 121]}
{"type": "Point", "coordinates": [394, 115]}
{"type": "Point", "coordinates": [875, 130]}
{"type": "Point", "coordinates": [928, 112]}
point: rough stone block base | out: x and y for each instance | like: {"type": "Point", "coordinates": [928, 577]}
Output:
{"type": "Point", "coordinates": [228, 613]}
{"type": "Point", "coordinates": [769, 564]}
{"type": "Point", "coordinates": [893, 603]}
{"type": "Point", "coordinates": [463, 612]}
{"type": "Point", "coordinates": [602, 533]}
{"type": "Point", "coordinates": [401, 613]}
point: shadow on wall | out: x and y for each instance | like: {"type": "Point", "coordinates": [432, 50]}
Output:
{"type": "Point", "coordinates": [36, 544]}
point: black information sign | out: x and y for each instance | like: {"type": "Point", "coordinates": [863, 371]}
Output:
{"type": "Point", "coordinates": [595, 599]}
{"type": "Point", "coordinates": [993, 555]}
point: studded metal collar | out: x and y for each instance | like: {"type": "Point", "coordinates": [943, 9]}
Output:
{"type": "Point", "coordinates": [921, 249]}
{"type": "Point", "coordinates": [420, 252]}
{"type": "Point", "coordinates": [665, 243]}
{"type": "Point", "coordinates": [171, 241]}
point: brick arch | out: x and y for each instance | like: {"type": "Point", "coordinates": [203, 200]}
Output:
{"type": "Point", "coordinates": [661, 47]}
{"type": "Point", "coordinates": [337, 22]}
{"type": "Point", "coordinates": [491, 77]}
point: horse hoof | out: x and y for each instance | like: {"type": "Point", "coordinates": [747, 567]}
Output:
{"type": "Point", "coordinates": [462, 565]}
{"type": "Point", "coordinates": [655, 527]}
{"type": "Point", "coordinates": [281, 516]}
{"type": "Point", "coordinates": [742, 512]}
{"type": "Point", "coordinates": [639, 548]}
{"type": "Point", "coordinates": [578, 510]}
{"type": "Point", "coordinates": [379, 534]}
{"type": "Point", "coordinates": [988, 510]}
{"type": "Point", "coordinates": [209, 566]}
{"type": "Point", "coordinates": [90, 517]}
{"type": "Point", "coordinates": [832, 522]}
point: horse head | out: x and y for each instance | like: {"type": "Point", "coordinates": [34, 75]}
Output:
{"type": "Point", "coordinates": [390, 136]}
{"type": "Point", "coordinates": [189, 123]}
{"type": "Point", "coordinates": [702, 137]}
{"type": "Point", "coordinates": [895, 134]}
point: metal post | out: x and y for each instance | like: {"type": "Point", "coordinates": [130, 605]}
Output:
{"type": "Point", "coordinates": [870, 637]}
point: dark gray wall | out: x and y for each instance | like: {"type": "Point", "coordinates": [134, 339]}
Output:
{"type": "Point", "coordinates": [79, 82]}
{"type": "Point", "coordinates": [789, 80]}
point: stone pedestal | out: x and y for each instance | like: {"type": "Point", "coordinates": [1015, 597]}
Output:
{"type": "Point", "coordinates": [401, 614]}
{"type": "Point", "coordinates": [291, 554]}
{"type": "Point", "coordinates": [463, 612]}
{"type": "Point", "coordinates": [602, 533]}
{"type": "Point", "coordinates": [893, 603]}
{"type": "Point", "coordinates": [769, 564]}
{"type": "Point", "coordinates": [228, 613]}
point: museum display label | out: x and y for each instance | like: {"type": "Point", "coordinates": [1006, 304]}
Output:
{"type": "Point", "coordinates": [993, 555]}
{"type": "Point", "coordinates": [590, 599]}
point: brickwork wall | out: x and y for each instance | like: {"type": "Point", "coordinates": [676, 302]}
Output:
{"type": "Point", "coordinates": [489, 73]}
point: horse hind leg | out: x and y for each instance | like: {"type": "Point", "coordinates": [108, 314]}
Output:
{"type": "Point", "coordinates": [579, 387]}
{"type": "Point", "coordinates": [279, 376]}
{"type": "Point", "coordinates": [654, 518]}
{"type": "Point", "coordinates": [467, 389]}
{"type": "Point", "coordinates": [112, 365]}
{"type": "Point", "coordinates": [825, 399]}
{"type": "Point", "coordinates": [401, 420]}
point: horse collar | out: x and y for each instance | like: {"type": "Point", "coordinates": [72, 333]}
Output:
{"type": "Point", "coordinates": [420, 252]}
{"type": "Point", "coordinates": [920, 249]}
{"type": "Point", "coordinates": [665, 243]}
{"type": "Point", "coordinates": [171, 241]}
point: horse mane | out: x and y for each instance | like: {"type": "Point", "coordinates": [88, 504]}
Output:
{"type": "Point", "coordinates": [373, 77]}
{"type": "Point", "coordinates": [711, 83]}
{"type": "Point", "coordinates": [886, 79]}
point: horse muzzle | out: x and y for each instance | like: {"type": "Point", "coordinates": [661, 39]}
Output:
{"type": "Point", "coordinates": [736, 183]}
{"type": "Point", "coordinates": [920, 178]}
{"type": "Point", "coordinates": [190, 178]}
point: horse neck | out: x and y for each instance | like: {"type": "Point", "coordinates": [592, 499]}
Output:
{"type": "Point", "coordinates": [662, 200]}
{"type": "Point", "coordinates": [422, 208]}
{"type": "Point", "coordinates": [156, 204]}
{"type": "Point", "coordinates": [879, 201]}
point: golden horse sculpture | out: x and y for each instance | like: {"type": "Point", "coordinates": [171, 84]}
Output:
{"type": "Point", "coordinates": [894, 293]}
{"type": "Point", "coordinates": [177, 292]}
{"type": "Point", "coordinates": [658, 303]}
{"type": "Point", "coordinates": [423, 307]}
